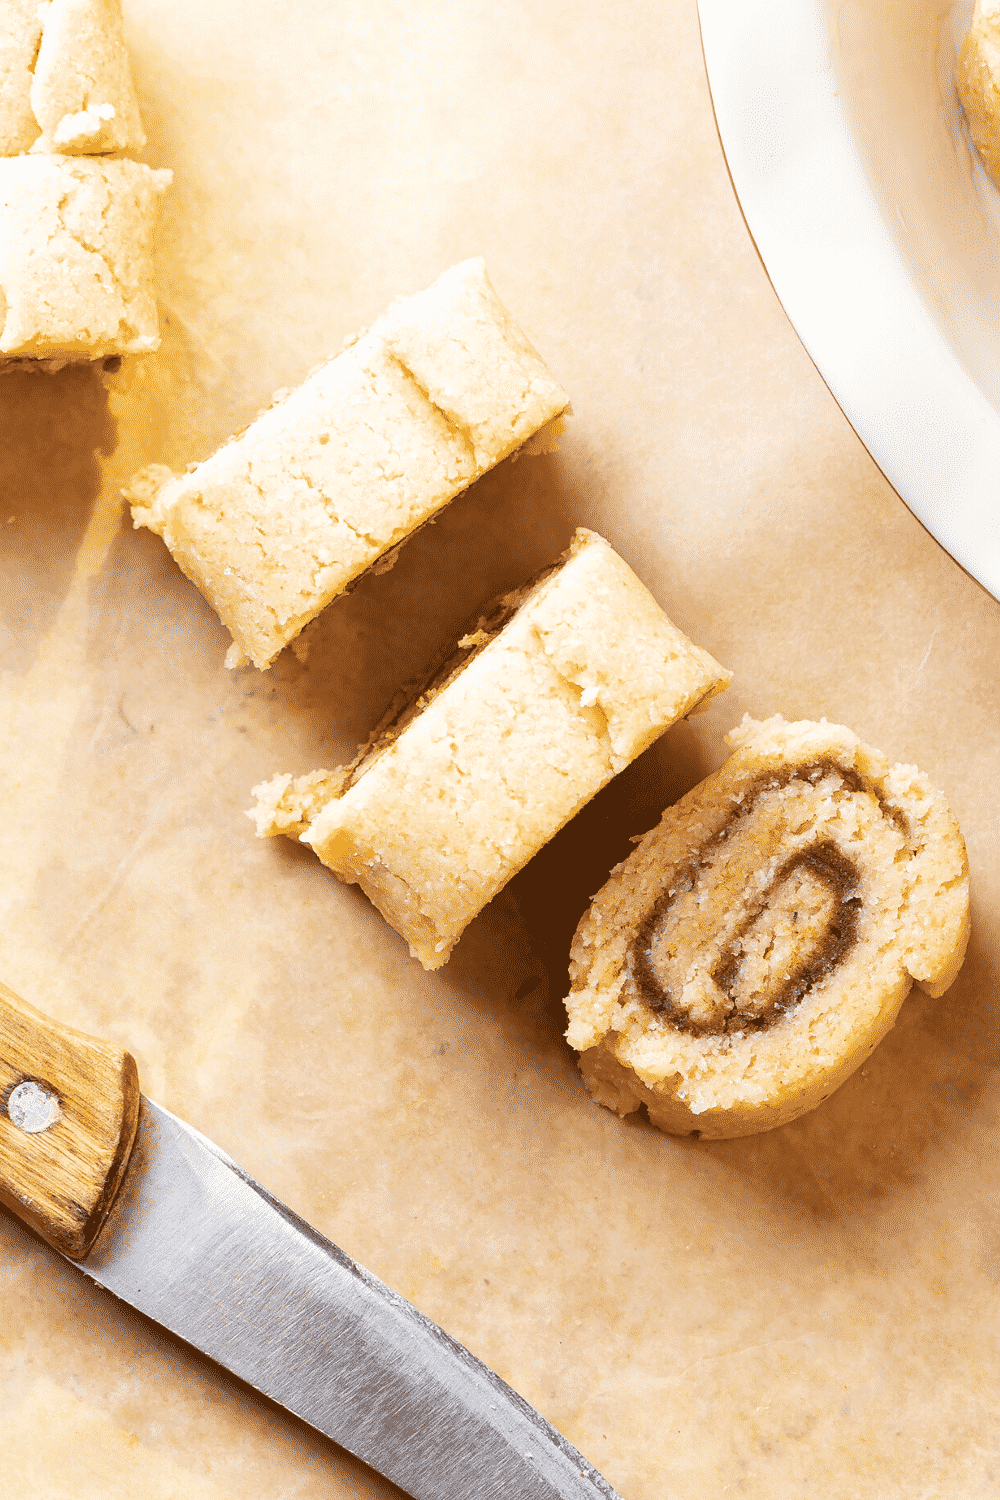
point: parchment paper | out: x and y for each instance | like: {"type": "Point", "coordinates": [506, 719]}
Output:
{"type": "Point", "coordinates": [812, 1311]}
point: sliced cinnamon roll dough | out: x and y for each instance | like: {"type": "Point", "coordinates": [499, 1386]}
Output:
{"type": "Point", "coordinates": [82, 93]}
{"type": "Point", "coordinates": [76, 257]}
{"type": "Point", "coordinates": [760, 941]}
{"type": "Point", "coordinates": [544, 700]}
{"type": "Point", "coordinates": [65, 79]}
{"type": "Point", "coordinates": [20, 38]}
{"type": "Point", "coordinates": [337, 474]}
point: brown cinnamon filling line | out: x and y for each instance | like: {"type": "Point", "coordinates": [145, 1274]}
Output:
{"type": "Point", "coordinates": [821, 869]}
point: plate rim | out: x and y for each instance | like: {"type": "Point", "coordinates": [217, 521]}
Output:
{"type": "Point", "coordinates": [802, 187]}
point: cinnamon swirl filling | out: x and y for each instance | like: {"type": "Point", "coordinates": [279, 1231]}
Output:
{"type": "Point", "coordinates": [740, 964]}
{"type": "Point", "coordinates": [758, 943]}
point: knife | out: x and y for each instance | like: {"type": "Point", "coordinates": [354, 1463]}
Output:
{"type": "Point", "coordinates": [165, 1220]}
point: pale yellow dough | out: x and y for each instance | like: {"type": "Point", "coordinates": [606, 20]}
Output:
{"type": "Point", "coordinates": [759, 943]}
{"type": "Point", "coordinates": [280, 520]}
{"type": "Point", "coordinates": [440, 811]}
{"type": "Point", "coordinates": [978, 78]}
{"type": "Point", "coordinates": [76, 269]}
{"type": "Point", "coordinates": [65, 79]}
{"type": "Point", "coordinates": [20, 37]}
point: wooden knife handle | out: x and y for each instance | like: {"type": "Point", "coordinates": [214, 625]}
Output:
{"type": "Point", "coordinates": [68, 1111]}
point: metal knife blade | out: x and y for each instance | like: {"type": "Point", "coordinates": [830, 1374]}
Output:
{"type": "Point", "coordinates": [197, 1245]}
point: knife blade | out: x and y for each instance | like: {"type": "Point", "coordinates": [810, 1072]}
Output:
{"type": "Point", "coordinates": [156, 1214]}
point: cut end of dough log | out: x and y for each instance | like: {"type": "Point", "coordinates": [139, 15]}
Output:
{"type": "Point", "coordinates": [759, 943]}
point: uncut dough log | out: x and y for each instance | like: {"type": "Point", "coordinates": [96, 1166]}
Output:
{"type": "Point", "coordinates": [65, 80]}
{"type": "Point", "coordinates": [977, 76]}
{"type": "Point", "coordinates": [282, 518]}
{"type": "Point", "coordinates": [760, 941]}
{"type": "Point", "coordinates": [76, 270]}
{"type": "Point", "coordinates": [551, 696]}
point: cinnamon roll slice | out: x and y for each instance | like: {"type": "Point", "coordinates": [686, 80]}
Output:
{"type": "Point", "coordinates": [759, 943]}
{"type": "Point", "coordinates": [548, 695]}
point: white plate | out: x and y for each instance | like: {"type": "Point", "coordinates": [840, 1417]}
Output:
{"type": "Point", "coordinates": [880, 231]}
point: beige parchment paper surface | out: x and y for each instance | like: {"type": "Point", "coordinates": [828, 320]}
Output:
{"type": "Point", "coordinates": [809, 1312]}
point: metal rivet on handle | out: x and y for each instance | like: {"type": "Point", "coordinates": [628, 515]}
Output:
{"type": "Point", "coordinates": [32, 1107]}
